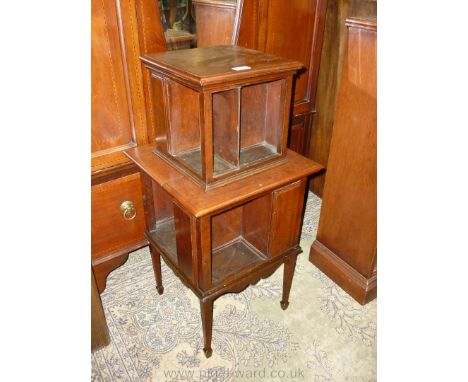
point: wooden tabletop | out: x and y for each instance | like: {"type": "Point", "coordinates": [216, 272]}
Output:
{"type": "Point", "coordinates": [199, 202]}
{"type": "Point", "coordinates": [215, 64]}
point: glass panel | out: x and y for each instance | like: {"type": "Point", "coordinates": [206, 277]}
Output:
{"type": "Point", "coordinates": [177, 17]}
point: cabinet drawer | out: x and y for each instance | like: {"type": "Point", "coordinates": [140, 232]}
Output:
{"type": "Point", "coordinates": [110, 229]}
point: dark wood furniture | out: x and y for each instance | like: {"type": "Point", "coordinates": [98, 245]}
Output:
{"type": "Point", "coordinates": [99, 330]}
{"type": "Point", "coordinates": [221, 112]}
{"type": "Point", "coordinates": [292, 29]}
{"type": "Point", "coordinates": [215, 21]}
{"type": "Point", "coordinates": [331, 60]}
{"type": "Point", "coordinates": [346, 244]}
{"type": "Point", "coordinates": [120, 32]}
{"type": "Point", "coordinates": [224, 239]}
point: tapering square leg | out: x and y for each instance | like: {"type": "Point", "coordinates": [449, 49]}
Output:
{"type": "Point", "coordinates": [289, 266]}
{"type": "Point", "coordinates": [206, 309]}
{"type": "Point", "coordinates": [156, 259]}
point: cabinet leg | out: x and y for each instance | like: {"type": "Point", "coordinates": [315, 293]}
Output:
{"type": "Point", "coordinates": [156, 259]}
{"type": "Point", "coordinates": [206, 309]}
{"type": "Point", "coordinates": [289, 266]}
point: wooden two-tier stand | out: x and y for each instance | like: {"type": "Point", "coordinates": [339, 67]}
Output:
{"type": "Point", "coordinates": [223, 196]}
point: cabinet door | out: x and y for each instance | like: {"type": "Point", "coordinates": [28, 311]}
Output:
{"type": "Point", "coordinates": [288, 203]}
{"type": "Point", "coordinates": [117, 103]}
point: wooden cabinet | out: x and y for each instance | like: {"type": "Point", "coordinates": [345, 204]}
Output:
{"type": "Point", "coordinates": [346, 244]}
{"type": "Point", "coordinates": [292, 29]}
{"type": "Point", "coordinates": [331, 61]}
{"type": "Point", "coordinates": [118, 122]}
{"type": "Point", "coordinates": [221, 240]}
{"type": "Point", "coordinates": [235, 114]}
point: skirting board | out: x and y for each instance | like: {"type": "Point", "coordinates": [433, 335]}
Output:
{"type": "Point", "coordinates": [351, 281]}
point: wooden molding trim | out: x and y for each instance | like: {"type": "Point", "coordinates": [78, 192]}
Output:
{"type": "Point", "coordinates": [351, 281]}
{"type": "Point", "coordinates": [114, 172]}
{"type": "Point", "coordinates": [217, 3]}
{"type": "Point", "coordinates": [102, 266]}
{"type": "Point", "coordinates": [368, 23]}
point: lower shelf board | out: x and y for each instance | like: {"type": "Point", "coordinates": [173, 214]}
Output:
{"type": "Point", "coordinates": [257, 152]}
{"type": "Point", "coordinates": [193, 160]}
{"type": "Point", "coordinates": [226, 261]}
{"type": "Point", "coordinates": [247, 155]}
{"type": "Point", "coordinates": [231, 258]}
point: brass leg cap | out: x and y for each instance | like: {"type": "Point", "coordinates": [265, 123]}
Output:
{"type": "Point", "coordinates": [160, 289]}
{"type": "Point", "coordinates": [208, 352]}
{"type": "Point", "coordinates": [284, 304]}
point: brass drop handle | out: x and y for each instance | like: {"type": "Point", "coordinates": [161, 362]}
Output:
{"type": "Point", "coordinates": [128, 210]}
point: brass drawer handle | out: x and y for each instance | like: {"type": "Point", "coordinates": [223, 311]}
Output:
{"type": "Point", "coordinates": [128, 210]}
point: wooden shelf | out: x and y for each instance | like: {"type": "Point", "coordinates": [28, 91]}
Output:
{"type": "Point", "coordinates": [192, 159]}
{"type": "Point", "coordinates": [257, 152]}
{"type": "Point", "coordinates": [248, 155]}
{"type": "Point", "coordinates": [232, 258]}
{"type": "Point", "coordinates": [227, 260]}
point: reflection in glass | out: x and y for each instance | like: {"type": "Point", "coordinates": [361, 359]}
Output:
{"type": "Point", "coordinates": [177, 17]}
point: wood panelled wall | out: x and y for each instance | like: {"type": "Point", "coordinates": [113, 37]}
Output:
{"type": "Point", "coordinates": [334, 42]}
{"type": "Point", "coordinates": [121, 30]}
{"type": "Point", "coordinates": [293, 29]}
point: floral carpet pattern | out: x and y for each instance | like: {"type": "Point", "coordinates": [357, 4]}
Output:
{"type": "Point", "coordinates": [323, 336]}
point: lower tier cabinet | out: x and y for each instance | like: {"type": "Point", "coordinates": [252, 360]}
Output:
{"type": "Point", "coordinates": [224, 239]}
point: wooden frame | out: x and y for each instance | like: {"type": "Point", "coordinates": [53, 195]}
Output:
{"type": "Point", "coordinates": [223, 240]}
{"type": "Point", "coordinates": [235, 114]}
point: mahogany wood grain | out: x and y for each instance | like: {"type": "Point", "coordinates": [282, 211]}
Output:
{"type": "Point", "coordinates": [159, 118]}
{"type": "Point", "coordinates": [156, 261]}
{"type": "Point", "coordinates": [110, 114]}
{"type": "Point", "coordinates": [164, 207]}
{"type": "Point", "coordinates": [292, 29]}
{"type": "Point", "coordinates": [292, 32]}
{"type": "Point", "coordinates": [223, 240]}
{"type": "Point", "coordinates": [206, 309]}
{"type": "Point", "coordinates": [204, 254]}
{"type": "Point", "coordinates": [286, 217]}
{"type": "Point", "coordinates": [120, 32]}
{"type": "Point", "coordinates": [277, 105]}
{"type": "Point", "coordinates": [213, 65]}
{"type": "Point", "coordinates": [118, 117]}
{"type": "Point", "coordinates": [270, 26]}
{"type": "Point", "coordinates": [289, 266]}
{"type": "Point", "coordinates": [233, 122]}
{"type": "Point", "coordinates": [211, 250]}
{"type": "Point", "coordinates": [226, 126]}
{"type": "Point", "coordinates": [215, 21]}
{"type": "Point", "coordinates": [183, 227]}
{"type": "Point", "coordinates": [109, 229]}
{"type": "Point", "coordinates": [257, 222]}
{"type": "Point", "coordinates": [329, 77]}
{"type": "Point", "coordinates": [299, 134]}
{"type": "Point", "coordinates": [345, 248]}
{"type": "Point", "coordinates": [151, 39]}
{"type": "Point", "coordinates": [199, 202]}
{"type": "Point", "coordinates": [226, 227]}
{"type": "Point", "coordinates": [184, 130]}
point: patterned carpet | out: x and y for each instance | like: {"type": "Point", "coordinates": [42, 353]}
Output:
{"type": "Point", "coordinates": [324, 335]}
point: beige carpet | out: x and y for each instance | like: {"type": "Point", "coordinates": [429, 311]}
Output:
{"type": "Point", "coordinates": [324, 335]}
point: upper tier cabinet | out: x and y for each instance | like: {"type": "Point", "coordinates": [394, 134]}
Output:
{"type": "Point", "coordinates": [221, 112]}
